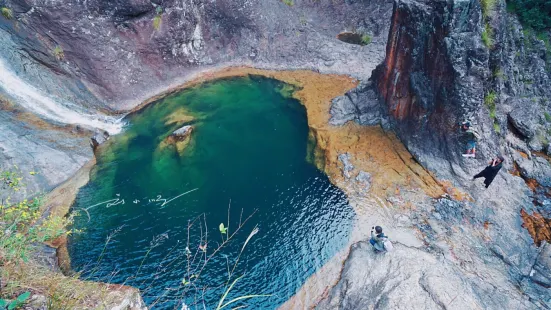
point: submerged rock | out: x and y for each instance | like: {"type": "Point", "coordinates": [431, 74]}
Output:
{"type": "Point", "coordinates": [182, 133]}
{"type": "Point", "coordinates": [180, 138]}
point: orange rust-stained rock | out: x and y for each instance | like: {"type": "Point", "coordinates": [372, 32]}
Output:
{"type": "Point", "coordinates": [538, 226]}
{"type": "Point", "coordinates": [532, 184]}
{"type": "Point", "coordinates": [454, 192]}
{"type": "Point", "coordinates": [524, 155]}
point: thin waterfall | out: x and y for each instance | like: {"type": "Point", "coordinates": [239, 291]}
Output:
{"type": "Point", "coordinates": [37, 102]}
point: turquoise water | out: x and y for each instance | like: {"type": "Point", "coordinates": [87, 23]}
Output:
{"type": "Point", "coordinates": [248, 151]}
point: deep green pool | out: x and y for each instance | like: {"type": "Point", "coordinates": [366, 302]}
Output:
{"type": "Point", "coordinates": [249, 146]}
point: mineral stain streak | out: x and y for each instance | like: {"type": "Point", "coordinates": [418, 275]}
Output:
{"type": "Point", "coordinates": [538, 226]}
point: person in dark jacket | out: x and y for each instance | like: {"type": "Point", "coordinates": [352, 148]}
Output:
{"type": "Point", "coordinates": [490, 172]}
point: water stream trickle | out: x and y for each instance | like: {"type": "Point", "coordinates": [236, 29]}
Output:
{"type": "Point", "coordinates": [248, 149]}
{"type": "Point", "coordinates": [45, 106]}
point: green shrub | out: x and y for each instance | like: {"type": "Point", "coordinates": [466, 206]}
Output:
{"type": "Point", "coordinates": [499, 74]}
{"type": "Point", "coordinates": [289, 2]}
{"type": "Point", "coordinates": [532, 13]}
{"type": "Point", "coordinates": [21, 224]}
{"type": "Point", "coordinates": [547, 116]}
{"type": "Point", "coordinates": [487, 6]}
{"type": "Point", "coordinates": [58, 53]}
{"type": "Point", "coordinates": [487, 36]}
{"type": "Point", "coordinates": [497, 128]}
{"type": "Point", "coordinates": [544, 36]}
{"type": "Point", "coordinates": [366, 39]}
{"type": "Point", "coordinates": [7, 13]}
{"type": "Point", "coordinates": [157, 22]}
{"type": "Point", "coordinates": [490, 101]}
{"type": "Point", "coordinates": [16, 303]}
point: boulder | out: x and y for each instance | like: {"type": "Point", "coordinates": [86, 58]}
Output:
{"type": "Point", "coordinates": [46, 256]}
{"type": "Point", "coordinates": [180, 138]}
{"type": "Point", "coordinates": [181, 134]}
{"type": "Point", "coordinates": [364, 178]}
{"type": "Point", "coordinates": [538, 169]}
{"type": "Point", "coordinates": [98, 138]}
{"type": "Point", "coordinates": [360, 104]}
{"type": "Point", "coordinates": [347, 165]}
{"type": "Point", "coordinates": [522, 118]}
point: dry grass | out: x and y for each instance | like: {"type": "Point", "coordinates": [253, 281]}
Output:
{"type": "Point", "coordinates": [62, 292]}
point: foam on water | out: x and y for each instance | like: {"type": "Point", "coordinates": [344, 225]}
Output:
{"type": "Point", "coordinates": [47, 107]}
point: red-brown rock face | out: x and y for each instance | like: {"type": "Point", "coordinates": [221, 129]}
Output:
{"type": "Point", "coordinates": [416, 70]}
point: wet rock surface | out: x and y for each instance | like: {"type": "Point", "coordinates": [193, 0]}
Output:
{"type": "Point", "coordinates": [98, 138]}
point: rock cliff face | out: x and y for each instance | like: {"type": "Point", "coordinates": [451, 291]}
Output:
{"type": "Point", "coordinates": [433, 76]}
{"type": "Point", "coordinates": [126, 50]}
{"type": "Point", "coordinates": [437, 72]}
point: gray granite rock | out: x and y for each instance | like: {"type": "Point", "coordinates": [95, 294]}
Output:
{"type": "Point", "coordinates": [537, 168]}
{"type": "Point", "coordinates": [46, 256]}
{"type": "Point", "coordinates": [98, 138]}
{"type": "Point", "coordinates": [522, 118]}
{"type": "Point", "coordinates": [360, 104]}
{"type": "Point", "coordinates": [182, 133]}
{"type": "Point", "coordinates": [347, 165]}
{"type": "Point", "coordinates": [364, 178]}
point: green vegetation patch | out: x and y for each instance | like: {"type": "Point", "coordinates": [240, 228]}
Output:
{"type": "Point", "coordinates": [535, 14]}
{"type": "Point", "coordinates": [496, 127]}
{"type": "Point", "coordinates": [288, 2]}
{"type": "Point", "coordinates": [58, 52]}
{"type": "Point", "coordinates": [487, 7]}
{"type": "Point", "coordinates": [21, 224]}
{"type": "Point", "coordinates": [366, 39]}
{"type": "Point", "coordinates": [7, 13]}
{"type": "Point", "coordinates": [157, 22]}
{"type": "Point", "coordinates": [487, 36]}
{"type": "Point", "coordinates": [490, 102]}
{"type": "Point", "coordinates": [544, 36]}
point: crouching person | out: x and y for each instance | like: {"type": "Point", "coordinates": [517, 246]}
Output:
{"type": "Point", "coordinates": [379, 241]}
